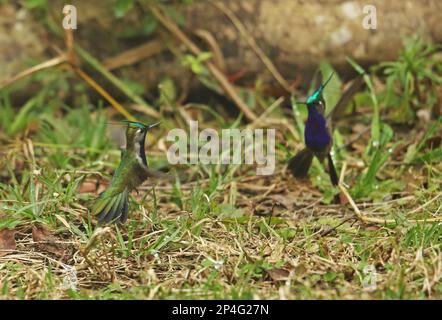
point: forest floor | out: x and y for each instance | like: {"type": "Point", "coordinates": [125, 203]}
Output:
{"type": "Point", "coordinates": [222, 232]}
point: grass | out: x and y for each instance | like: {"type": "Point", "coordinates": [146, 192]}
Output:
{"type": "Point", "coordinates": [217, 231]}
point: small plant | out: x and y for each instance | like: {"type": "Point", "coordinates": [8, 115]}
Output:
{"type": "Point", "coordinates": [196, 63]}
{"type": "Point", "coordinates": [412, 79]}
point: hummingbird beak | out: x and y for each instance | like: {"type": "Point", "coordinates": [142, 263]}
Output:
{"type": "Point", "coordinates": [152, 125]}
{"type": "Point", "coordinates": [326, 82]}
{"type": "Point", "coordinates": [318, 93]}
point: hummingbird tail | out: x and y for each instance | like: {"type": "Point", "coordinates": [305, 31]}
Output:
{"type": "Point", "coordinates": [299, 164]}
{"type": "Point", "coordinates": [112, 208]}
{"type": "Point", "coordinates": [332, 171]}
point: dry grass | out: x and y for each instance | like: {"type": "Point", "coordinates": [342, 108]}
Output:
{"type": "Point", "coordinates": [279, 242]}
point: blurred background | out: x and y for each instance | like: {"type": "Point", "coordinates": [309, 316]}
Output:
{"type": "Point", "coordinates": [127, 38]}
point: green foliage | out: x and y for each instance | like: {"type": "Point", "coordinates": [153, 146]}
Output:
{"type": "Point", "coordinates": [147, 26]}
{"type": "Point", "coordinates": [332, 93]}
{"type": "Point", "coordinates": [122, 7]}
{"type": "Point", "coordinates": [36, 4]}
{"type": "Point", "coordinates": [79, 129]}
{"type": "Point", "coordinates": [376, 121]}
{"type": "Point", "coordinates": [196, 63]}
{"type": "Point", "coordinates": [24, 205]}
{"type": "Point", "coordinates": [168, 91]}
{"type": "Point", "coordinates": [412, 79]}
{"type": "Point", "coordinates": [44, 102]}
{"type": "Point", "coordinates": [367, 182]}
{"type": "Point", "coordinates": [378, 150]}
{"type": "Point", "coordinates": [14, 122]}
{"type": "Point", "coordinates": [414, 151]}
{"type": "Point", "coordinates": [423, 236]}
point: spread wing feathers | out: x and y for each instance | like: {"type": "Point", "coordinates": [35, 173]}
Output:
{"type": "Point", "coordinates": [299, 164]}
{"type": "Point", "coordinates": [112, 207]}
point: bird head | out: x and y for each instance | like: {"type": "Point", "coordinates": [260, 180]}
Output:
{"type": "Point", "coordinates": [136, 131]}
{"type": "Point", "coordinates": [316, 100]}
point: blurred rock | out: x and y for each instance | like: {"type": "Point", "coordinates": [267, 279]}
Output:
{"type": "Point", "coordinates": [296, 35]}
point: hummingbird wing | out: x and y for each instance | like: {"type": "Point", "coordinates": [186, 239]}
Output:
{"type": "Point", "coordinates": [111, 207]}
{"type": "Point", "coordinates": [112, 204]}
{"type": "Point", "coordinates": [299, 164]}
{"type": "Point", "coordinates": [346, 97]}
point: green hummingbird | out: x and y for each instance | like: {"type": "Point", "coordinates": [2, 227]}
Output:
{"type": "Point", "coordinates": [112, 205]}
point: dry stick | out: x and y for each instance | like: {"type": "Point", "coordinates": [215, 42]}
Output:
{"type": "Point", "coordinates": [252, 43]}
{"type": "Point", "coordinates": [342, 175]}
{"type": "Point", "coordinates": [134, 55]}
{"type": "Point", "coordinates": [117, 82]}
{"type": "Point", "coordinates": [282, 122]}
{"type": "Point", "coordinates": [104, 94]}
{"type": "Point", "coordinates": [62, 59]}
{"type": "Point", "coordinates": [366, 219]}
{"type": "Point", "coordinates": [218, 57]}
{"type": "Point", "coordinates": [39, 67]}
{"type": "Point", "coordinates": [217, 74]}
{"type": "Point", "coordinates": [98, 234]}
{"type": "Point", "coordinates": [92, 241]}
{"type": "Point", "coordinates": [70, 51]}
{"type": "Point", "coordinates": [72, 60]}
{"type": "Point", "coordinates": [426, 204]}
{"type": "Point", "coordinates": [326, 232]}
{"type": "Point", "coordinates": [272, 107]}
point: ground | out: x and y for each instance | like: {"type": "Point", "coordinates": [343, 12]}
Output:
{"type": "Point", "coordinates": [220, 234]}
{"type": "Point", "coordinates": [221, 231]}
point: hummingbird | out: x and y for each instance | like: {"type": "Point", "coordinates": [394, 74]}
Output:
{"type": "Point", "coordinates": [112, 205]}
{"type": "Point", "coordinates": [317, 137]}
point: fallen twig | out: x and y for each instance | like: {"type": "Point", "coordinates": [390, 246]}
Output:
{"type": "Point", "coordinates": [134, 55]}
{"type": "Point", "coordinates": [39, 67]}
{"type": "Point", "coordinates": [367, 219]}
{"type": "Point", "coordinates": [104, 93]}
{"type": "Point", "coordinates": [218, 57]}
{"type": "Point", "coordinates": [117, 83]}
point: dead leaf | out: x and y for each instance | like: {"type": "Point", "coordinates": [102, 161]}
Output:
{"type": "Point", "coordinates": [45, 241]}
{"type": "Point", "coordinates": [300, 270]}
{"type": "Point", "coordinates": [278, 274]}
{"type": "Point", "coordinates": [343, 199]}
{"type": "Point", "coordinates": [7, 241]}
{"type": "Point", "coordinates": [373, 228]}
{"type": "Point", "coordinates": [92, 185]}
{"type": "Point", "coordinates": [348, 273]}
{"type": "Point", "coordinates": [87, 186]}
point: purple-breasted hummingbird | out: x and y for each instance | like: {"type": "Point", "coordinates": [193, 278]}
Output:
{"type": "Point", "coordinates": [317, 136]}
